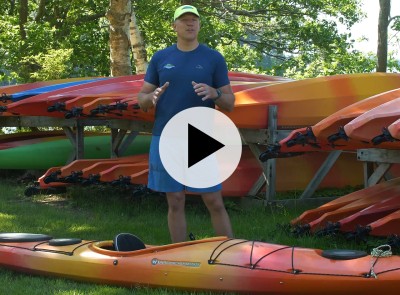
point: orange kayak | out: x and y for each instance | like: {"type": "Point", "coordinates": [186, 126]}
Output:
{"type": "Point", "coordinates": [368, 215]}
{"type": "Point", "coordinates": [394, 129]}
{"type": "Point", "coordinates": [347, 210]}
{"type": "Point", "coordinates": [83, 168]}
{"type": "Point", "coordinates": [347, 171]}
{"type": "Point", "coordinates": [376, 192]}
{"type": "Point", "coordinates": [371, 124]}
{"type": "Point", "coordinates": [306, 102]}
{"type": "Point", "coordinates": [329, 134]}
{"type": "Point", "coordinates": [215, 265]}
{"type": "Point", "coordinates": [73, 106]}
{"type": "Point", "coordinates": [331, 124]}
{"type": "Point", "coordinates": [129, 107]}
{"type": "Point", "coordinates": [303, 140]}
{"type": "Point", "coordinates": [386, 226]}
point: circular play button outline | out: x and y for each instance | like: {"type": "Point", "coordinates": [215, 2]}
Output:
{"type": "Point", "coordinates": [200, 147]}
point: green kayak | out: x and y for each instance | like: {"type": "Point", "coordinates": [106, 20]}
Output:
{"type": "Point", "coordinates": [51, 152]}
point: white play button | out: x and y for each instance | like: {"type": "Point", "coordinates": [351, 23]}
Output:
{"type": "Point", "coordinates": [200, 147]}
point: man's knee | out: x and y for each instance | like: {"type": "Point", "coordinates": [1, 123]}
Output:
{"type": "Point", "coordinates": [176, 201]}
{"type": "Point", "coordinates": [214, 202]}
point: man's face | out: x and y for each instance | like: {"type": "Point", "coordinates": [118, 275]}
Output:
{"type": "Point", "coordinates": [187, 26]}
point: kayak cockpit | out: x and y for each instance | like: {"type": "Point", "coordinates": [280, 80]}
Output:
{"type": "Point", "coordinates": [108, 247]}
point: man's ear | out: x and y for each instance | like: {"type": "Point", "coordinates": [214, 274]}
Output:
{"type": "Point", "coordinates": [173, 26]}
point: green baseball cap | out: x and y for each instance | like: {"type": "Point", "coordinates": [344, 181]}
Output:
{"type": "Point", "coordinates": [185, 9]}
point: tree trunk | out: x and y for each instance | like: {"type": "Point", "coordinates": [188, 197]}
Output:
{"type": "Point", "coordinates": [119, 14]}
{"type": "Point", "coordinates": [137, 45]}
{"type": "Point", "coordinates": [23, 18]}
{"type": "Point", "coordinates": [383, 25]}
{"type": "Point", "coordinates": [41, 10]}
{"type": "Point", "coordinates": [12, 7]}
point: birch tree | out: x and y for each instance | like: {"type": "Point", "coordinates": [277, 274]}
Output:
{"type": "Point", "coordinates": [137, 46]}
{"type": "Point", "coordinates": [119, 15]}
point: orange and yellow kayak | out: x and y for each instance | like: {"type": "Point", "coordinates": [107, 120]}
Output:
{"type": "Point", "coordinates": [213, 264]}
{"type": "Point", "coordinates": [306, 102]}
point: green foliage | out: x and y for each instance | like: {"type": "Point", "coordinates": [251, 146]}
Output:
{"type": "Point", "coordinates": [72, 33]}
{"type": "Point", "coordinates": [296, 38]}
{"type": "Point", "coordinates": [319, 65]}
{"type": "Point", "coordinates": [52, 65]}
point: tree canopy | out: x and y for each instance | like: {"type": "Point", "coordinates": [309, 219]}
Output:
{"type": "Point", "coordinates": [47, 39]}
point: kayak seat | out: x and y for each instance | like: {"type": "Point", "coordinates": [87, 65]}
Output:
{"type": "Point", "coordinates": [127, 242]}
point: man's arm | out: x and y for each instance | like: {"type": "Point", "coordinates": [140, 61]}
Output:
{"type": "Point", "coordinates": [227, 99]}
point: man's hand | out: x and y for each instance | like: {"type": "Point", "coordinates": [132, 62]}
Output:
{"type": "Point", "coordinates": [158, 92]}
{"type": "Point", "coordinates": [204, 90]}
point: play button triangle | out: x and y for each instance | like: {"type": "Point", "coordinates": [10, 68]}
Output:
{"type": "Point", "coordinates": [200, 145]}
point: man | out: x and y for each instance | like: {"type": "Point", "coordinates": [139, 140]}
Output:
{"type": "Point", "coordinates": [184, 75]}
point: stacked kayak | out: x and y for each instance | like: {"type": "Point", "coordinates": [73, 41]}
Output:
{"type": "Point", "coordinates": [316, 98]}
{"type": "Point", "coordinates": [42, 150]}
{"type": "Point", "coordinates": [116, 98]}
{"type": "Point", "coordinates": [52, 149]}
{"type": "Point", "coordinates": [47, 103]}
{"type": "Point", "coordinates": [306, 102]}
{"type": "Point", "coordinates": [370, 211]}
{"type": "Point", "coordinates": [350, 128]}
{"type": "Point", "coordinates": [133, 171]}
{"type": "Point", "coordinates": [213, 264]}
{"type": "Point", "coordinates": [370, 125]}
{"type": "Point", "coordinates": [14, 93]}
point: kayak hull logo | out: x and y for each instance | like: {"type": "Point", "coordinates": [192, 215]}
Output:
{"type": "Point", "coordinates": [156, 261]}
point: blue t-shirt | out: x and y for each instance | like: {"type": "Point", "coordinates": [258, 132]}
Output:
{"type": "Point", "coordinates": [180, 68]}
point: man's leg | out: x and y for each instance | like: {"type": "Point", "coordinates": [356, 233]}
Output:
{"type": "Point", "coordinates": [219, 216]}
{"type": "Point", "coordinates": [176, 216]}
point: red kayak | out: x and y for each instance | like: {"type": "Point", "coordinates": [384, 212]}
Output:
{"type": "Point", "coordinates": [39, 104]}
{"type": "Point", "coordinates": [386, 226]}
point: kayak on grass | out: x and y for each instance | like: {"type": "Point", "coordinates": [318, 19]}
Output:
{"type": "Point", "coordinates": [213, 264]}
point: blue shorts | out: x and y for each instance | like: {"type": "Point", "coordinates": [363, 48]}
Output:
{"type": "Point", "coordinates": [161, 181]}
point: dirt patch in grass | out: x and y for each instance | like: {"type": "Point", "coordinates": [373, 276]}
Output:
{"type": "Point", "coordinates": [54, 200]}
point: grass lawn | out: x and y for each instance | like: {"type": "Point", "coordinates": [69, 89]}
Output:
{"type": "Point", "coordinates": [99, 213]}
